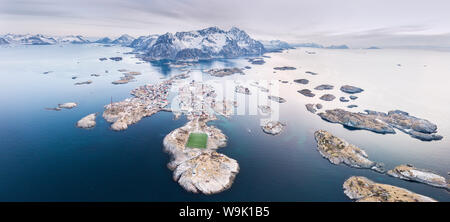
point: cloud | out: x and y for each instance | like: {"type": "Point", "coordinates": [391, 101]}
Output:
{"type": "Point", "coordinates": [321, 20]}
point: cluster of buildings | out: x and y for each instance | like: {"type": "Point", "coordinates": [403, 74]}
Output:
{"type": "Point", "coordinates": [154, 95]}
{"type": "Point", "coordinates": [198, 99]}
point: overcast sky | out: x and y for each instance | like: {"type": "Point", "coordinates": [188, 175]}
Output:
{"type": "Point", "coordinates": [352, 22]}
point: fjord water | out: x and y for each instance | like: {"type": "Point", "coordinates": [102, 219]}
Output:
{"type": "Point", "coordinates": [44, 157]}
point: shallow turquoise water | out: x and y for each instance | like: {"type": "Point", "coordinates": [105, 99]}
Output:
{"type": "Point", "coordinates": [44, 157]}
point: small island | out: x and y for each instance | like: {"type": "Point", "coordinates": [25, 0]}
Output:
{"type": "Point", "coordinates": [362, 189]}
{"type": "Point", "coordinates": [324, 87]}
{"type": "Point", "coordinates": [411, 173]}
{"type": "Point", "coordinates": [87, 121]}
{"type": "Point", "coordinates": [306, 92]}
{"type": "Point", "coordinates": [277, 99]}
{"type": "Point", "coordinates": [384, 123]}
{"type": "Point", "coordinates": [272, 127]}
{"type": "Point", "coordinates": [351, 89]}
{"type": "Point", "coordinates": [327, 97]}
{"type": "Point", "coordinates": [301, 81]}
{"type": "Point", "coordinates": [282, 68]}
{"type": "Point", "coordinates": [339, 151]}
{"type": "Point", "coordinates": [224, 72]}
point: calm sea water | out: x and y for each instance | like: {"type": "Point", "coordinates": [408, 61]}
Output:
{"type": "Point", "coordinates": [44, 157]}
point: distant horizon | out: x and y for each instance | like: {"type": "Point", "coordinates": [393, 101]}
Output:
{"type": "Point", "coordinates": [356, 23]}
{"type": "Point", "coordinates": [336, 43]}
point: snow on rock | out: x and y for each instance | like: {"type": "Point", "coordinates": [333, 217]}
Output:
{"type": "Point", "coordinates": [201, 44]}
{"type": "Point", "coordinates": [408, 172]}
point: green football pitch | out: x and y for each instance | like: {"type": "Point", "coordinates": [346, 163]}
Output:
{"type": "Point", "coordinates": [197, 140]}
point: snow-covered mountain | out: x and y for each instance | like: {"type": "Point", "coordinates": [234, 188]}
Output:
{"type": "Point", "coordinates": [308, 45]}
{"type": "Point", "coordinates": [315, 45]}
{"type": "Point", "coordinates": [143, 43]}
{"type": "Point", "coordinates": [104, 40]}
{"type": "Point", "coordinates": [276, 45]}
{"type": "Point", "coordinates": [123, 40]}
{"type": "Point", "coordinates": [201, 44]}
{"type": "Point", "coordinates": [74, 39]}
{"type": "Point", "coordinates": [29, 39]}
{"type": "Point", "coordinates": [39, 39]}
{"type": "Point", "coordinates": [3, 41]}
{"type": "Point", "coordinates": [337, 47]}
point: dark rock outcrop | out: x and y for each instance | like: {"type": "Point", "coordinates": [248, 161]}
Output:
{"type": "Point", "coordinates": [306, 92]}
{"type": "Point", "coordinates": [362, 189]}
{"type": "Point", "coordinates": [380, 122]}
{"type": "Point", "coordinates": [277, 99]}
{"type": "Point", "coordinates": [301, 81]}
{"type": "Point", "coordinates": [343, 99]}
{"type": "Point", "coordinates": [327, 97]}
{"type": "Point", "coordinates": [285, 68]}
{"type": "Point", "coordinates": [310, 107]}
{"type": "Point", "coordinates": [351, 89]}
{"type": "Point", "coordinates": [338, 151]}
{"type": "Point", "coordinates": [324, 87]}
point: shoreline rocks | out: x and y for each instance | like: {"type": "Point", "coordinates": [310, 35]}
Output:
{"type": "Point", "coordinates": [68, 105]}
{"type": "Point", "coordinates": [306, 92]}
{"type": "Point", "coordinates": [353, 97]}
{"type": "Point", "coordinates": [282, 68]}
{"type": "Point", "coordinates": [356, 120]}
{"type": "Point", "coordinates": [310, 108]}
{"type": "Point", "coordinates": [351, 89]}
{"type": "Point", "coordinates": [411, 173]}
{"type": "Point", "coordinates": [127, 77]}
{"type": "Point", "coordinates": [417, 128]}
{"type": "Point", "coordinates": [87, 121]}
{"type": "Point", "coordinates": [118, 58]}
{"type": "Point", "coordinates": [383, 123]}
{"type": "Point", "coordinates": [311, 73]}
{"type": "Point", "coordinates": [121, 81]}
{"type": "Point", "coordinates": [313, 107]}
{"type": "Point", "coordinates": [343, 99]}
{"type": "Point", "coordinates": [53, 108]}
{"type": "Point", "coordinates": [324, 87]}
{"type": "Point", "coordinates": [362, 189]}
{"type": "Point", "coordinates": [61, 106]}
{"type": "Point", "coordinates": [84, 83]}
{"type": "Point", "coordinates": [277, 99]}
{"type": "Point", "coordinates": [272, 127]}
{"type": "Point", "coordinates": [339, 151]}
{"type": "Point", "coordinates": [257, 61]}
{"type": "Point", "coordinates": [327, 97]}
{"type": "Point", "coordinates": [301, 81]}
{"type": "Point", "coordinates": [200, 170]}
{"type": "Point", "coordinates": [224, 72]}
{"type": "Point", "coordinates": [319, 106]}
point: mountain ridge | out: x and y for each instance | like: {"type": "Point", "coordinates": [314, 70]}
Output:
{"type": "Point", "coordinates": [207, 43]}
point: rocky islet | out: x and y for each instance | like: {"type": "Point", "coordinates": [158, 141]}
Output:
{"type": "Point", "coordinates": [362, 189]}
